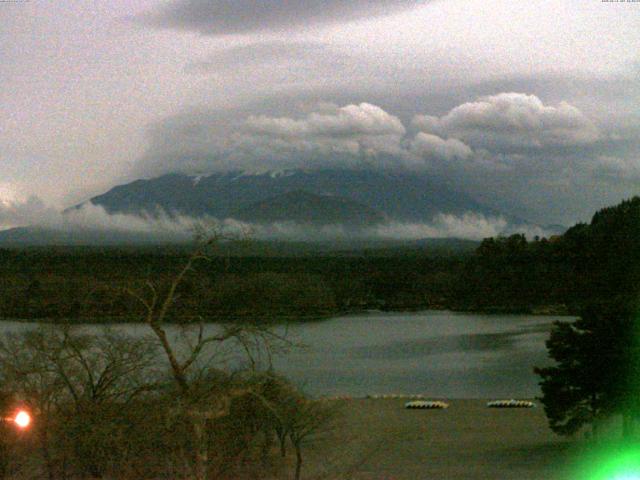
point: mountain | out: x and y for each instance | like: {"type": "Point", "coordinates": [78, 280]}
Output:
{"type": "Point", "coordinates": [303, 207]}
{"type": "Point", "coordinates": [406, 197]}
{"type": "Point", "coordinates": [364, 204]}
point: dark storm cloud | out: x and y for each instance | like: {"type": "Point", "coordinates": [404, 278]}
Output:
{"type": "Point", "coordinates": [215, 17]}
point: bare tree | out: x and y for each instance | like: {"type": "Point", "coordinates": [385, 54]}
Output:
{"type": "Point", "coordinates": [7, 436]}
{"type": "Point", "coordinates": [76, 385]}
{"type": "Point", "coordinates": [292, 415]}
{"type": "Point", "coordinates": [205, 394]}
{"type": "Point", "coordinates": [25, 370]}
{"type": "Point", "coordinates": [305, 421]}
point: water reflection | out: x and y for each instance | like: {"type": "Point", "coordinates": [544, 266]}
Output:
{"type": "Point", "coordinates": [436, 346]}
{"type": "Point", "coordinates": [440, 354]}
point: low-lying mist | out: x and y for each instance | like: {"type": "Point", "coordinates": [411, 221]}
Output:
{"type": "Point", "coordinates": [165, 226]}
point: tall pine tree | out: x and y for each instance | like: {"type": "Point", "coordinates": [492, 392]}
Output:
{"type": "Point", "coordinates": [597, 371]}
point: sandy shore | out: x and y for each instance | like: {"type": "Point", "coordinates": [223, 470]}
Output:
{"type": "Point", "coordinates": [380, 439]}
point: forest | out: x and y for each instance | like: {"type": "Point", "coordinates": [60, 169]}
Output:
{"type": "Point", "coordinates": [504, 274]}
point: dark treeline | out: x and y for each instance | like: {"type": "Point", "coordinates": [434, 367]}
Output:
{"type": "Point", "coordinates": [93, 284]}
{"type": "Point", "coordinates": [564, 272]}
{"type": "Point", "coordinates": [504, 274]}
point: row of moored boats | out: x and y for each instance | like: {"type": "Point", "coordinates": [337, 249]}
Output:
{"type": "Point", "coordinates": [439, 405]}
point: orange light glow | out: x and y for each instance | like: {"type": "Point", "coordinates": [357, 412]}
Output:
{"type": "Point", "coordinates": [22, 419]}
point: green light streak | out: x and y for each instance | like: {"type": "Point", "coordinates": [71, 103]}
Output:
{"type": "Point", "coordinates": [613, 463]}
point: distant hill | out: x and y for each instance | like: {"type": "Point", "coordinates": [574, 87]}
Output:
{"type": "Point", "coordinates": [38, 236]}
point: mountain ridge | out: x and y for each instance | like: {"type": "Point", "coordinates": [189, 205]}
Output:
{"type": "Point", "coordinates": [401, 196]}
{"type": "Point", "coordinates": [286, 204]}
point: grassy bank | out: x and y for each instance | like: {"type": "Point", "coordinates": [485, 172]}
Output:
{"type": "Point", "coordinates": [379, 439]}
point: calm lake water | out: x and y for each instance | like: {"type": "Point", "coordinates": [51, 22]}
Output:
{"type": "Point", "coordinates": [439, 354]}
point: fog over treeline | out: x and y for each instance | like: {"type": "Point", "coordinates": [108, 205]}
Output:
{"type": "Point", "coordinates": [34, 213]}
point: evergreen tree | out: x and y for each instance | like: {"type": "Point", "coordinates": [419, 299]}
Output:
{"type": "Point", "coordinates": [596, 372]}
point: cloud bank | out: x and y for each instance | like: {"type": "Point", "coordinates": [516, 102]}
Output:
{"type": "Point", "coordinates": [513, 121]}
{"type": "Point", "coordinates": [331, 136]}
{"type": "Point", "coordinates": [363, 129]}
{"type": "Point", "coordinates": [541, 160]}
{"type": "Point", "coordinates": [492, 132]}
{"type": "Point", "coordinates": [426, 145]}
{"type": "Point", "coordinates": [34, 213]}
{"type": "Point", "coordinates": [468, 226]}
{"type": "Point", "coordinates": [223, 17]}
{"type": "Point", "coordinates": [19, 212]}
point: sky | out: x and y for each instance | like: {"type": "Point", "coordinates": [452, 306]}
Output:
{"type": "Point", "coordinates": [531, 107]}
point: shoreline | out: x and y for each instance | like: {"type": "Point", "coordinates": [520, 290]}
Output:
{"type": "Point", "coordinates": [284, 319]}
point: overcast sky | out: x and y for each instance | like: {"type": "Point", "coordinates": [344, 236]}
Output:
{"type": "Point", "coordinates": [532, 106]}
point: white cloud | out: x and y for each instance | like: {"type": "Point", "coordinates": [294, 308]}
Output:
{"type": "Point", "coordinates": [426, 145]}
{"type": "Point", "coordinates": [95, 217]}
{"type": "Point", "coordinates": [468, 226]}
{"type": "Point", "coordinates": [34, 212]}
{"type": "Point", "coordinates": [513, 121]}
{"type": "Point", "coordinates": [493, 132]}
{"type": "Point", "coordinates": [364, 119]}
{"type": "Point", "coordinates": [346, 136]}
{"type": "Point", "coordinates": [89, 217]}
{"type": "Point", "coordinates": [16, 212]}
{"type": "Point", "coordinates": [354, 129]}
{"type": "Point", "coordinates": [471, 226]}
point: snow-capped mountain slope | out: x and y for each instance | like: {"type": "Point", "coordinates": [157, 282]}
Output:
{"type": "Point", "coordinates": [397, 196]}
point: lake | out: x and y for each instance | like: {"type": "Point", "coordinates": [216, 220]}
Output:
{"type": "Point", "coordinates": [436, 353]}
